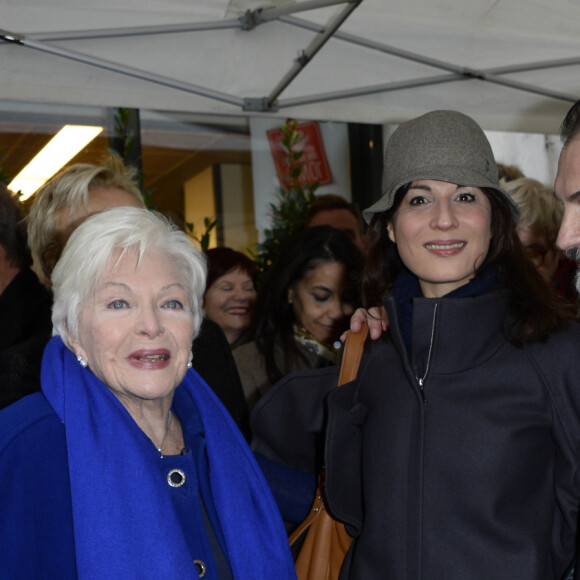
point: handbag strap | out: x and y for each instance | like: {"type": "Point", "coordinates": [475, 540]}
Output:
{"type": "Point", "coordinates": [351, 357]}
{"type": "Point", "coordinates": [353, 349]}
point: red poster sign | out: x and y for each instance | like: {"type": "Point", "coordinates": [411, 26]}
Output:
{"type": "Point", "coordinates": [316, 167]}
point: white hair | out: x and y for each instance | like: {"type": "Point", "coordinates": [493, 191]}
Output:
{"type": "Point", "coordinates": [90, 250]}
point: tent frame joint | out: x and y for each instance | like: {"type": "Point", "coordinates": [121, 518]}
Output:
{"type": "Point", "coordinates": [11, 37]}
{"type": "Point", "coordinates": [250, 19]}
{"type": "Point", "coordinates": [471, 73]}
{"type": "Point", "coordinates": [260, 105]}
{"type": "Point", "coordinates": [303, 59]}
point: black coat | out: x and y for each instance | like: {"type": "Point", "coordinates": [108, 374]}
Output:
{"type": "Point", "coordinates": [213, 360]}
{"type": "Point", "coordinates": [476, 475]}
{"type": "Point", "coordinates": [25, 327]}
{"type": "Point", "coordinates": [287, 423]}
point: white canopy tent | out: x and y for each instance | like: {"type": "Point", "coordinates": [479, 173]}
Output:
{"type": "Point", "coordinates": [511, 64]}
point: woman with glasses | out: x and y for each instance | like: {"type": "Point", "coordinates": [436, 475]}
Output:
{"type": "Point", "coordinates": [541, 215]}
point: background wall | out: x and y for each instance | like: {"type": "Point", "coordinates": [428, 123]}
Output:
{"type": "Point", "coordinates": [535, 154]}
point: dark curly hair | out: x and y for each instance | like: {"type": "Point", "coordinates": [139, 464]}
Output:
{"type": "Point", "coordinates": [274, 319]}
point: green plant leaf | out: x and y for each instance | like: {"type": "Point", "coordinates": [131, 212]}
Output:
{"type": "Point", "coordinates": [288, 216]}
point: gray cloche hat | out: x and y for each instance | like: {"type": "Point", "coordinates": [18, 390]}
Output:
{"type": "Point", "coordinates": [442, 145]}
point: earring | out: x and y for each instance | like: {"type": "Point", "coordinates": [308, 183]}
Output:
{"type": "Point", "coordinates": [82, 361]}
{"type": "Point", "coordinates": [189, 363]}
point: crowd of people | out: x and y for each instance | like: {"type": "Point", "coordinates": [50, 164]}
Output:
{"type": "Point", "coordinates": [159, 401]}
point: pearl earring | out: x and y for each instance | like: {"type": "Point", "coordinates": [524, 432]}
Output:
{"type": "Point", "coordinates": [189, 363]}
{"type": "Point", "coordinates": [82, 361]}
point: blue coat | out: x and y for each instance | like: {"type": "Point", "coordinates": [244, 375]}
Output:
{"type": "Point", "coordinates": [36, 530]}
{"type": "Point", "coordinates": [130, 518]}
{"type": "Point", "coordinates": [36, 525]}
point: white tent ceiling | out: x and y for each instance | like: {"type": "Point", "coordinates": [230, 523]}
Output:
{"type": "Point", "coordinates": [511, 64]}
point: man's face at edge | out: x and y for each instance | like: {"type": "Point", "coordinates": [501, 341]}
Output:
{"type": "Point", "coordinates": [567, 190]}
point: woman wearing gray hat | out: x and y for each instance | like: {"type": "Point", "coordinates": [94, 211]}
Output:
{"type": "Point", "coordinates": [456, 451]}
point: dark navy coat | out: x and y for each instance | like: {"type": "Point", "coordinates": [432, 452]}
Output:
{"type": "Point", "coordinates": [476, 474]}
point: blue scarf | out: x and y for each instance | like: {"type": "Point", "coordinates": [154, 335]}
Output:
{"type": "Point", "coordinates": [125, 525]}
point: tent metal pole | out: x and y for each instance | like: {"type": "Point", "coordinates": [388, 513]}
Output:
{"type": "Point", "coordinates": [422, 59]}
{"type": "Point", "coordinates": [128, 71]}
{"type": "Point", "coordinates": [311, 50]}
{"type": "Point", "coordinates": [359, 41]}
{"type": "Point", "coordinates": [460, 73]}
{"type": "Point", "coordinates": [275, 12]}
{"type": "Point", "coordinates": [370, 90]}
{"type": "Point", "coordinates": [257, 16]}
{"type": "Point", "coordinates": [529, 88]}
{"type": "Point", "coordinates": [531, 66]}
{"type": "Point", "coordinates": [135, 31]}
{"type": "Point", "coordinates": [421, 82]}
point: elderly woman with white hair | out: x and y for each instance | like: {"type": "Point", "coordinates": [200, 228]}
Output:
{"type": "Point", "coordinates": [126, 465]}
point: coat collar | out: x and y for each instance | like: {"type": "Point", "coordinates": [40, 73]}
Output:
{"type": "Point", "coordinates": [466, 331]}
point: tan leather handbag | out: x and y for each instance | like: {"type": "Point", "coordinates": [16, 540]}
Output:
{"type": "Point", "coordinates": [327, 542]}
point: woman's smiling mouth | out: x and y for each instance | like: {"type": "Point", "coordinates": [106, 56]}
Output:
{"type": "Point", "coordinates": [150, 359]}
{"type": "Point", "coordinates": [238, 311]}
{"type": "Point", "coordinates": [445, 248]}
